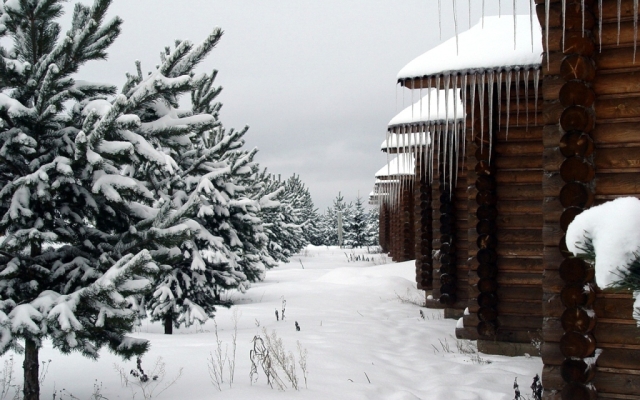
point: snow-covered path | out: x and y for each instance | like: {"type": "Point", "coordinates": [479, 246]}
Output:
{"type": "Point", "coordinates": [363, 342]}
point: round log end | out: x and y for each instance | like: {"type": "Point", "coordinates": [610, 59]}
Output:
{"type": "Point", "coordinates": [579, 345]}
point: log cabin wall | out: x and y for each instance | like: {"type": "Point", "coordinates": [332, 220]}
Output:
{"type": "Point", "coordinates": [422, 225]}
{"type": "Point", "coordinates": [449, 224]}
{"type": "Point", "coordinates": [383, 226]}
{"type": "Point", "coordinates": [581, 83]}
{"type": "Point", "coordinates": [505, 220]}
{"type": "Point", "coordinates": [407, 247]}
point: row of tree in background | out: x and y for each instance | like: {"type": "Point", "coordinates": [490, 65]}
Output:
{"type": "Point", "coordinates": [117, 204]}
{"type": "Point", "coordinates": [359, 226]}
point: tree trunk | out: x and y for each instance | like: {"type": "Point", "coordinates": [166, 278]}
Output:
{"type": "Point", "coordinates": [168, 324]}
{"type": "Point", "coordinates": [31, 367]}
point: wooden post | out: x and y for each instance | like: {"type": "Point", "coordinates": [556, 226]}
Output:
{"type": "Point", "coordinates": [423, 228]}
{"type": "Point", "coordinates": [570, 117]}
{"type": "Point", "coordinates": [448, 234]}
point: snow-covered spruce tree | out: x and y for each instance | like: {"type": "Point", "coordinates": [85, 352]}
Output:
{"type": "Point", "coordinates": [206, 182]}
{"type": "Point", "coordinates": [373, 227]}
{"type": "Point", "coordinates": [75, 229]}
{"type": "Point", "coordinates": [279, 218]}
{"type": "Point", "coordinates": [329, 223]}
{"type": "Point", "coordinates": [356, 225]}
{"type": "Point", "coordinates": [304, 212]}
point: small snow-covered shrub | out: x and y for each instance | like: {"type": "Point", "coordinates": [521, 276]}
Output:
{"type": "Point", "coordinates": [216, 362]}
{"type": "Point", "coordinates": [278, 366]}
{"type": "Point", "coordinates": [608, 236]}
{"type": "Point", "coordinates": [148, 385]}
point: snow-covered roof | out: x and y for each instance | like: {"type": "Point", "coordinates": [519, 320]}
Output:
{"type": "Point", "coordinates": [405, 141]}
{"type": "Point", "coordinates": [402, 164]}
{"type": "Point", "coordinates": [435, 106]}
{"type": "Point", "coordinates": [482, 48]}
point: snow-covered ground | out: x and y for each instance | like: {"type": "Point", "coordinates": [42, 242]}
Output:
{"type": "Point", "coordinates": [364, 341]}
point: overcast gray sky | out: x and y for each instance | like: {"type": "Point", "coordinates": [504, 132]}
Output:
{"type": "Point", "coordinates": [314, 79]}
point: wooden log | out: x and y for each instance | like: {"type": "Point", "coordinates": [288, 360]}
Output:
{"type": "Point", "coordinates": [577, 169]}
{"type": "Point", "coordinates": [526, 162]}
{"type": "Point", "coordinates": [576, 390]}
{"type": "Point", "coordinates": [512, 177]}
{"type": "Point", "coordinates": [487, 285]}
{"type": "Point", "coordinates": [617, 184]}
{"type": "Point", "coordinates": [578, 118]}
{"type": "Point", "coordinates": [520, 192]}
{"type": "Point", "coordinates": [617, 158]}
{"type": "Point", "coordinates": [579, 345]}
{"type": "Point", "coordinates": [610, 10]}
{"type": "Point", "coordinates": [617, 333]}
{"type": "Point", "coordinates": [552, 159]}
{"type": "Point", "coordinates": [576, 143]}
{"type": "Point", "coordinates": [551, 112]}
{"type": "Point", "coordinates": [510, 278]}
{"type": "Point", "coordinates": [487, 314]}
{"type": "Point", "coordinates": [577, 371]}
{"type": "Point", "coordinates": [575, 66]}
{"type": "Point", "coordinates": [610, 37]}
{"type": "Point", "coordinates": [486, 256]}
{"type": "Point", "coordinates": [531, 133]}
{"type": "Point", "coordinates": [575, 271]}
{"type": "Point", "coordinates": [487, 299]}
{"type": "Point", "coordinates": [513, 308]}
{"type": "Point", "coordinates": [576, 93]}
{"type": "Point", "coordinates": [578, 319]}
{"type": "Point", "coordinates": [515, 148]}
{"type": "Point", "coordinates": [552, 184]}
{"type": "Point", "coordinates": [485, 183]}
{"type": "Point", "coordinates": [551, 354]}
{"type": "Point", "coordinates": [525, 206]}
{"type": "Point", "coordinates": [551, 86]}
{"type": "Point", "coordinates": [486, 329]}
{"type": "Point", "coordinates": [520, 250]}
{"type": "Point", "coordinates": [577, 295]}
{"type": "Point", "coordinates": [576, 195]}
{"type": "Point", "coordinates": [617, 83]}
{"type": "Point", "coordinates": [487, 271]}
{"type": "Point", "coordinates": [552, 379]}
{"type": "Point", "coordinates": [519, 221]}
{"type": "Point", "coordinates": [485, 227]}
{"type": "Point", "coordinates": [519, 322]}
{"type": "Point", "coordinates": [619, 382]}
{"type": "Point", "coordinates": [520, 264]}
{"type": "Point", "coordinates": [623, 358]}
{"type": "Point", "coordinates": [606, 306]}
{"type": "Point", "coordinates": [551, 136]}
{"type": "Point", "coordinates": [529, 236]}
{"type": "Point", "coordinates": [552, 330]}
{"type": "Point", "coordinates": [516, 293]}
{"type": "Point", "coordinates": [487, 241]}
{"type": "Point", "coordinates": [486, 213]}
{"type": "Point", "coordinates": [615, 58]}
{"type": "Point", "coordinates": [617, 107]}
{"type": "Point", "coordinates": [568, 216]}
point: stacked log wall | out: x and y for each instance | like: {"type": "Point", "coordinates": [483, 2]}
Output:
{"type": "Point", "coordinates": [607, 149]}
{"type": "Point", "coordinates": [505, 223]}
{"type": "Point", "coordinates": [449, 224]}
{"type": "Point", "coordinates": [422, 225]}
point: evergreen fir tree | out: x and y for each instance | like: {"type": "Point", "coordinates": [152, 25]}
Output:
{"type": "Point", "coordinates": [278, 215]}
{"type": "Point", "coordinates": [356, 225]}
{"type": "Point", "coordinates": [373, 227]}
{"type": "Point", "coordinates": [208, 170]}
{"type": "Point", "coordinates": [329, 221]}
{"type": "Point", "coordinates": [304, 212]}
